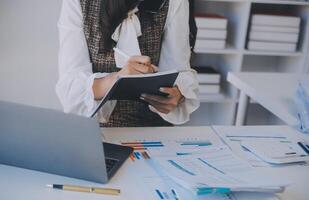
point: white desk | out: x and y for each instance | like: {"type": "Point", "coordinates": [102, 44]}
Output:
{"type": "Point", "coordinates": [274, 91]}
{"type": "Point", "coordinates": [21, 184]}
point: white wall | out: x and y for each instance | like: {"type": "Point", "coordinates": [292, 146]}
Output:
{"type": "Point", "coordinates": [28, 51]}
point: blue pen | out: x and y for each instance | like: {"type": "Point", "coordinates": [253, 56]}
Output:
{"type": "Point", "coordinates": [209, 190]}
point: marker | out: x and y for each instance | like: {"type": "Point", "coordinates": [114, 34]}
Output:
{"type": "Point", "coordinates": [127, 57]}
{"type": "Point", "coordinates": [203, 191]}
{"type": "Point", "coordinates": [107, 191]}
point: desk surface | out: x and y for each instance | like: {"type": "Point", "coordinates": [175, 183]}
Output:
{"type": "Point", "coordinates": [274, 91]}
{"type": "Point", "coordinates": [20, 184]}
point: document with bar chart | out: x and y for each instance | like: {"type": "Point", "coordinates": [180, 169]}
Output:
{"type": "Point", "coordinates": [142, 143]}
{"type": "Point", "coordinates": [158, 184]}
{"type": "Point", "coordinates": [213, 168]}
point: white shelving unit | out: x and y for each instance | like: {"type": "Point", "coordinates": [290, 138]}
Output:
{"type": "Point", "coordinates": [221, 109]}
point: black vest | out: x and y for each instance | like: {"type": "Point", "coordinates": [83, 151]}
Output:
{"type": "Point", "coordinates": [126, 113]}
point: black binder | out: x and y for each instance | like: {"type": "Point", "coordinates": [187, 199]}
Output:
{"type": "Point", "coordinates": [132, 87]}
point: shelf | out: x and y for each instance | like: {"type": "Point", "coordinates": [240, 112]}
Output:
{"type": "Point", "coordinates": [215, 98]}
{"type": "Point", "coordinates": [284, 2]}
{"type": "Point", "coordinates": [217, 51]}
{"type": "Point", "coordinates": [229, 1]}
{"type": "Point", "coordinates": [247, 52]}
{"type": "Point", "coordinates": [237, 58]}
{"type": "Point", "coordinates": [220, 98]}
{"type": "Point", "coordinates": [272, 63]}
{"type": "Point", "coordinates": [271, 53]}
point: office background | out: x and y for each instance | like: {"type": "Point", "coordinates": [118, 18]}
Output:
{"type": "Point", "coordinates": [28, 51]}
{"type": "Point", "coordinates": [29, 44]}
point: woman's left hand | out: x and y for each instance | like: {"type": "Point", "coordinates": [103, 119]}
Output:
{"type": "Point", "coordinates": [164, 104]}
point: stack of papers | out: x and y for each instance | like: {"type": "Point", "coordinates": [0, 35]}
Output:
{"type": "Point", "coordinates": [266, 146]}
{"type": "Point", "coordinates": [213, 169]}
{"type": "Point", "coordinates": [173, 155]}
{"type": "Point", "coordinates": [209, 80]}
{"type": "Point", "coordinates": [277, 151]}
{"type": "Point", "coordinates": [274, 32]}
{"type": "Point", "coordinates": [152, 183]}
{"type": "Point", "coordinates": [211, 33]}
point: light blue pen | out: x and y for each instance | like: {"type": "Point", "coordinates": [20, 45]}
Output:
{"type": "Point", "coordinates": [209, 190]}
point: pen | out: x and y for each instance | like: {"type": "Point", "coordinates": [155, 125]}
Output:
{"type": "Point", "coordinates": [107, 191]}
{"type": "Point", "coordinates": [126, 56]}
{"type": "Point", "coordinates": [203, 191]}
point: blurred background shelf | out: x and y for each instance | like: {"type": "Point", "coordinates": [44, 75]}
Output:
{"type": "Point", "coordinates": [272, 53]}
{"type": "Point", "coordinates": [284, 2]}
{"type": "Point", "coordinates": [228, 50]}
{"type": "Point", "coordinates": [220, 109]}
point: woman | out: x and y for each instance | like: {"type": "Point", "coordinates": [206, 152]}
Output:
{"type": "Point", "coordinates": [155, 38]}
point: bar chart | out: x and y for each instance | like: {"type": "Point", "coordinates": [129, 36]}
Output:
{"type": "Point", "coordinates": [140, 148]}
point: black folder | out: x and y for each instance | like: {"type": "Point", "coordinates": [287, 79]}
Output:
{"type": "Point", "coordinates": [132, 87]}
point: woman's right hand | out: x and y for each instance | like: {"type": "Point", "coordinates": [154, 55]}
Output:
{"type": "Point", "coordinates": [135, 65]}
{"type": "Point", "coordinates": [138, 65]}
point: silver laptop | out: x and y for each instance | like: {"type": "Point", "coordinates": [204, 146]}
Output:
{"type": "Point", "coordinates": [57, 143]}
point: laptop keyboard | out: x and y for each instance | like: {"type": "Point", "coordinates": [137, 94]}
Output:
{"type": "Point", "coordinates": [110, 164]}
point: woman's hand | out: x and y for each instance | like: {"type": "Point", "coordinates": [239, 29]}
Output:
{"type": "Point", "coordinates": [165, 104]}
{"type": "Point", "coordinates": [138, 65]}
{"type": "Point", "coordinates": [135, 65]}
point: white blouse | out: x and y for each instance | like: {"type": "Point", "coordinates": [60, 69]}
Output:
{"type": "Point", "coordinates": [74, 87]}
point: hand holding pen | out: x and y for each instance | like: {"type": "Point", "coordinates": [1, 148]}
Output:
{"type": "Point", "coordinates": [136, 65]}
{"type": "Point", "coordinates": [142, 65]}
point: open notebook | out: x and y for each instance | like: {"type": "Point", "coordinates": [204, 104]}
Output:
{"type": "Point", "coordinates": [133, 86]}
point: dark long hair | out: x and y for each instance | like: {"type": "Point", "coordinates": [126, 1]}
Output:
{"type": "Point", "coordinates": [113, 12]}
